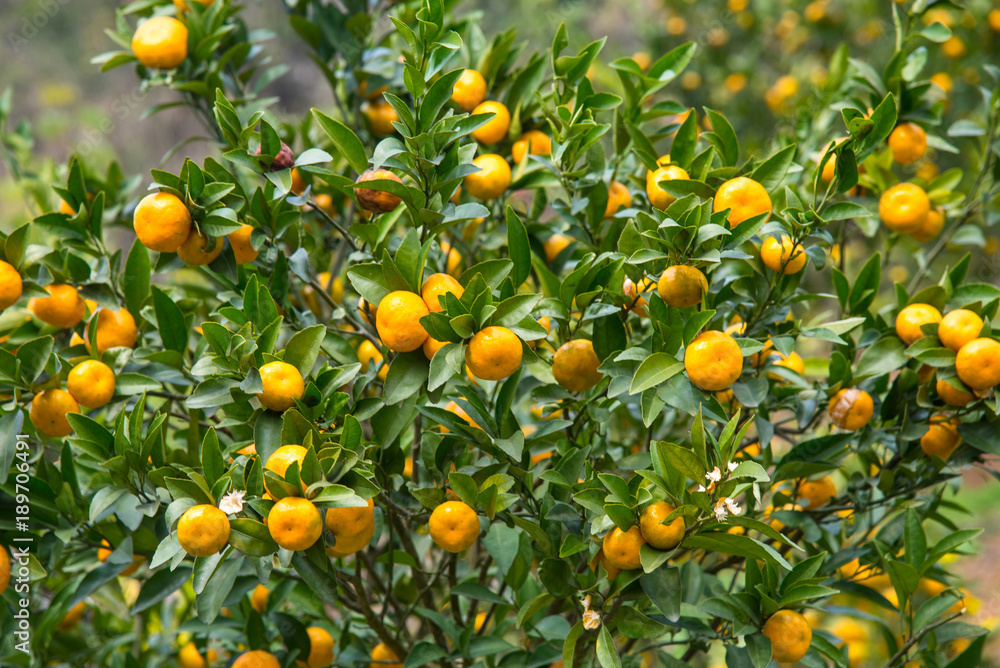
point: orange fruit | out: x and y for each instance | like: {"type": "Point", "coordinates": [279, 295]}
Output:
{"type": "Point", "coordinates": [658, 197]}
{"type": "Point", "coordinates": [377, 200]}
{"type": "Point", "coordinates": [851, 408]}
{"type": "Point", "coordinates": [243, 250]}
{"type": "Point", "coordinates": [659, 535]}
{"type": "Point", "coordinates": [72, 617]}
{"type": "Point", "coordinates": [197, 251]}
{"type": "Point", "coordinates": [48, 412]}
{"type": "Point", "coordinates": [951, 395]}
{"type": "Point", "coordinates": [978, 364]}
{"type": "Point", "coordinates": [713, 361]}
{"type": "Point", "coordinates": [632, 292]}
{"type": "Point", "coordinates": [816, 493]}
{"type": "Point", "coordinates": [436, 287]}
{"type": "Point", "coordinates": [383, 657]}
{"type": "Point", "coordinates": [258, 599]}
{"type": "Point", "coordinates": [257, 658]}
{"type": "Point", "coordinates": [189, 656]}
{"type": "Point", "coordinates": [162, 222]}
{"type": "Point", "coordinates": [368, 353]}
{"type": "Point", "coordinates": [398, 321]}
{"type": "Point", "coordinates": [494, 353]}
{"type": "Point", "coordinates": [4, 569]}
{"type": "Point", "coordinates": [554, 245]}
{"type": "Point", "coordinates": [622, 547]}
{"type": "Point", "coordinates": [903, 208]}
{"type": "Point", "coordinates": [574, 365]}
{"type": "Point", "coordinates": [744, 197]}
{"type": "Point", "coordinates": [380, 116]}
{"type": "Point", "coordinates": [789, 634]}
{"type": "Point", "coordinates": [63, 308]}
{"type": "Point", "coordinates": [454, 526]}
{"type": "Point", "coordinates": [496, 128]}
{"type": "Point", "coordinates": [282, 385]}
{"type": "Point", "coordinates": [352, 528]}
{"type": "Point", "coordinates": [958, 327]}
{"type": "Point", "coordinates": [320, 648]}
{"type": "Point", "coordinates": [618, 198]}
{"type": "Point", "coordinates": [941, 439]}
{"type": "Point", "coordinates": [469, 91]}
{"type": "Point", "coordinates": [912, 318]}
{"type": "Point", "coordinates": [784, 257]}
{"type": "Point", "coordinates": [908, 143]}
{"type": "Point", "coordinates": [115, 329]}
{"type": "Point", "coordinates": [793, 362]}
{"type": "Point", "coordinates": [11, 285]}
{"type": "Point", "coordinates": [299, 184]}
{"type": "Point", "coordinates": [533, 142]}
{"type": "Point", "coordinates": [682, 286]}
{"type": "Point", "coordinates": [492, 179]}
{"type": "Point", "coordinates": [931, 227]}
{"type": "Point", "coordinates": [432, 346]}
{"type": "Point", "coordinates": [602, 559]}
{"type": "Point", "coordinates": [203, 530]}
{"type": "Point", "coordinates": [160, 42]}
{"type": "Point", "coordinates": [454, 259]}
{"type": "Point", "coordinates": [282, 458]}
{"type": "Point", "coordinates": [182, 7]}
{"type": "Point", "coordinates": [953, 47]}
{"type": "Point", "coordinates": [295, 523]}
{"type": "Point", "coordinates": [91, 383]}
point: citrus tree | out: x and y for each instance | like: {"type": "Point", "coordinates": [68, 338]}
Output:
{"type": "Point", "coordinates": [486, 365]}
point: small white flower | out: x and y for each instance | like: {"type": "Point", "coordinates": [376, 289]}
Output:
{"type": "Point", "coordinates": [732, 466]}
{"type": "Point", "coordinates": [715, 475]}
{"type": "Point", "coordinates": [232, 503]}
{"type": "Point", "coordinates": [721, 510]}
{"type": "Point", "coordinates": [586, 602]}
{"type": "Point", "coordinates": [701, 488]}
{"type": "Point", "coordinates": [591, 620]}
{"type": "Point", "coordinates": [733, 507]}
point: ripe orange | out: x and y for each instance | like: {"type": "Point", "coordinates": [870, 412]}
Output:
{"type": "Point", "coordinates": [197, 251]}
{"type": "Point", "coordinates": [682, 286]}
{"type": "Point", "coordinates": [494, 353]}
{"type": "Point", "coordinates": [398, 321]}
{"type": "Point", "coordinates": [352, 528]}
{"type": "Point", "coordinates": [72, 617]}
{"type": "Point", "coordinates": [658, 535]}
{"type": "Point", "coordinates": [295, 523]}
{"type": "Point", "coordinates": [784, 257]}
{"type": "Point", "coordinates": [713, 361]}
{"type": "Point", "coordinates": [658, 197]}
{"type": "Point", "coordinates": [258, 599]}
{"type": "Point", "coordinates": [555, 245]}
{"type": "Point", "coordinates": [436, 287]}
{"type": "Point", "coordinates": [618, 198]}
{"type": "Point", "coordinates": [602, 559]}
{"type": "Point", "coordinates": [904, 207]}
{"type": "Point", "coordinates": [243, 250]}
{"type": "Point", "coordinates": [203, 530]}
{"type": "Point", "coordinates": [11, 285]}
{"type": "Point", "coordinates": [257, 658]}
{"type": "Point", "coordinates": [790, 635]}
{"type": "Point", "coordinates": [978, 364]}
{"type": "Point", "coordinates": [63, 308]}
{"type": "Point", "coordinates": [574, 365]}
{"type": "Point", "coordinates": [958, 327]}
{"type": "Point", "coordinates": [469, 91]}
{"type": "Point", "coordinates": [951, 395]}
{"type": "Point", "coordinates": [492, 179]}
{"type": "Point", "coordinates": [816, 493]}
{"type": "Point", "coordinates": [622, 547]}
{"type": "Point", "coordinates": [454, 526]}
{"type": "Point", "coordinates": [744, 197]}
{"type": "Point", "coordinates": [793, 362]}
{"type": "Point", "coordinates": [912, 318]}
{"type": "Point", "coordinates": [115, 329]}
{"type": "Point", "coordinates": [182, 4]}
{"type": "Point", "coordinates": [190, 657]}
{"type": "Point", "coordinates": [851, 408]}
{"type": "Point", "coordinates": [454, 259]}
{"type": "Point", "coordinates": [91, 383]}
{"type": "Point", "coordinates": [383, 657]}
{"type": "Point", "coordinates": [931, 227]}
{"type": "Point", "coordinates": [320, 648]}
{"type": "Point", "coordinates": [908, 143]}
{"type": "Point", "coordinates": [377, 200]}
{"type": "Point", "coordinates": [282, 385]}
{"type": "Point", "coordinates": [4, 569]}
{"type": "Point", "coordinates": [162, 222]}
{"type": "Point", "coordinates": [282, 458]}
{"type": "Point", "coordinates": [160, 43]}
{"type": "Point", "coordinates": [941, 439]}
{"type": "Point", "coordinates": [368, 353]}
{"type": "Point", "coordinates": [496, 128]}
{"type": "Point", "coordinates": [533, 142]}
{"type": "Point", "coordinates": [48, 412]}
{"type": "Point", "coordinates": [380, 116]}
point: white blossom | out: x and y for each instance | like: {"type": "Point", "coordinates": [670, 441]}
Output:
{"type": "Point", "coordinates": [715, 475]}
{"type": "Point", "coordinates": [701, 488]}
{"type": "Point", "coordinates": [732, 466]}
{"type": "Point", "coordinates": [232, 503]}
{"type": "Point", "coordinates": [721, 509]}
{"type": "Point", "coordinates": [733, 507]}
{"type": "Point", "coordinates": [591, 620]}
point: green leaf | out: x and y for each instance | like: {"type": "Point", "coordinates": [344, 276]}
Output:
{"type": "Point", "coordinates": [136, 280]}
{"type": "Point", "coordinates": [170, 321]}
{"type": "Point", "coordinates": [742, 546]}
{"type": "Point", "coordinates": [33, 356]}
{"type": "Point", "coordinates": [160, 584]}
{"type": "Point", "coordinates": [345, 140]}
{"type": "Point", "coordinates": [727, 145]}
{"type": "Point", "coordinates": [211, 457]}
{"type": "Point", "coordinates": [518, 247]}
{"type": "Point", "coordinates": [251, 537]}
{"type": "Point", "coordinates": [886, 355]}
{"type": "Point", "coordinates": [663, 587]}
{"type": "Point", "coordinates": [633, 624]}
{"type": "Point", "coordinates": [406, 376]}
{"type": "Point", "coordinates": [606, 652]}
{"type": "Point", "coordinates": [423, 653]}
{"type": "Point", "coordinates": [303, 348]}
{"type": "Point", "coordinates": [655, 370]}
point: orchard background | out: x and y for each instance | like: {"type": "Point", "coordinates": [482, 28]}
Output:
{"type": "Point", "coordinates": [638, 433]}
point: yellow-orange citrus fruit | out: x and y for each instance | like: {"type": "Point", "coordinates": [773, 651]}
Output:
{"type": "Point", "coordinates": [622, 547]}
{"type": "Point", "coordinates": [792, 362]}
{"type": "Point", "coordinates": [398, 321]}
{"type": "Point", "coordinates": [941, 439]}
{"type": "Point", "coordinates": [4, 569]}
{"type": "Point", "coordinates": [958, 327]}
{"type": "Point", "coordinates": [63, 308]}
{"type": "Point", "coordinates": [908, 143]}
{"type": "Point", "coordinates": [72, 617]}
{"type": "Point", "coordinates": [496, 128]}
{"type": "Point", "coordinates": [162, 222]}
{"type": "Point", "coordinates": [453, 407]}
{"type": "Point", "coordinates": [454, 526]}
{"type": "Point", "coordinates": [816, 493]}
{"type": "Point", "coordinates": [912, 318]}
{"type": "Point", "coordinates": [978, 364]}
{"type": "Point", "coordinates": [183, 7]}
{"type": "Point", "coordinates": [618, 198]}
{"type": "Point", "coordinates": [574, 366]}
{"type": "Point", "coordinates": [243, 250]}
{"type": "Point", "coordinates": [368, 311]}
{"type": "Point", "coordinates": [436, 287]}
{"type": "Point", "coordinates": [682, 286]}
{"type": "Point", "coordinates": [115, 329]}
{"type": "Point", "coordinates": [91, 383]}
{"type": "Point", "coordinates": [299, 184]}
{"type": "Point", "coordinates": [282, 458]}
{"type": "Point", "coordinates": [203, 530]}
{"type": "Point", "coordinates": [789, 634]}
{"type": "Point", "coordinates": [258, 599]}
{"type": "Point", "coordinates": [282, 385]}
{"type": "Point", "coordinates": [952, 395]}
{"type": "Point", "coordinates": [257, 658]}
{"type": "Point", "coordinates": [555, 245]}
{"type": "Point", "coordinates": [160, 42]}
{"type": "Point", "coordinates": [532, 142]}
{"type": "Point", "coordinates": [11, 285]}
{"type": "Point", "coordinates": [380, 116]}
{"type": "Point", "coordinates": [295, 523]}
{"type": "Point", "coordinates": [378, 201]}
{"type": "Point", "coordinates": [190, 657]}
{"type": "Point", "coordinates": [368, 353]}
{"type": "Point", "coordinates": [48, 412]}
{"type": "Point", "coordinates": [851, 408]}
{"type": "Point", "coordinates": [197, 251]}
{"type": "Point", "coordinates": [492, 179]}
{"type": "Point", "coordinates": [785, 257]}
{"type": "Point", "coordinates": [931, 227]}
{"type": "Point", "coordinates": [904, 207]}
{"type": "Point", "coordinates": [602, 559]}
{"type": "Point", "coordinates": [658, 197]}
{"type": "Point", "coordinates": [469, 91]}
{"type": "Point", "coordinates": [658, 535]}
{"type": "Point", "coordinates": [744, 197]}
{"type": "Point", "coordinates": [383, 657]}
{"type": "Point", "coordinates": [352, 528]}
{"type": "Point", "coordinates": [494, 353]}
{"type": "Point", "coordinates": [713, 361]}
{"type": "Point", "coordinates": [320, 648]}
